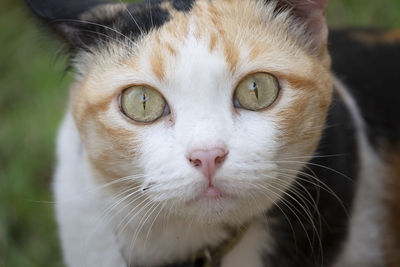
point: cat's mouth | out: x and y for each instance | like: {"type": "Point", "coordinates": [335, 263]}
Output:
{"type": "Point", "coordinates": [212, 193]}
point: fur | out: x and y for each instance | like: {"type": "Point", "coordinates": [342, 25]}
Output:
{"type": "Point", "coordinates": [375, 54]}
{"type": "Point", "coordinates": [126, 194]}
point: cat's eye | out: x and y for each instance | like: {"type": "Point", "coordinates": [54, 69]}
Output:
{"type": "Point", "coordinates": [142, 104]}
{"type": "Point", "coordinates": [257, 91]}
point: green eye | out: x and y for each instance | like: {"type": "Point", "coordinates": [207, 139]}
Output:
{"type": "Point", "coordinates": [257, 91]}
{"type": "Point", "coordinates": [142, 104]}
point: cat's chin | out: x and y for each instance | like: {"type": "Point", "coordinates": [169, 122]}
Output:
{"type": "Point", "coordinates": [217, 207]}
{"type": "Point", "coordinates": [212, 192]}
{"type": "Point", "coordinates": [210, 198]}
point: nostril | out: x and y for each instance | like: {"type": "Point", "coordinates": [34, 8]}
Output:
{"type": "Point", "coordinates": [195, 162]}
{"type": "Point", "coordinates": [220, 159]}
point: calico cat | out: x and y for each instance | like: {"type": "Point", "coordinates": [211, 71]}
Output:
{"type": "Point", "coordinates": [212, 133]}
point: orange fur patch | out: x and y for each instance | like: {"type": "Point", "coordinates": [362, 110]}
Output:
{"type": "Point", "coordinates": [292, 120]}
{"type": "Point", "coordinates": [213, 41]}
{"type": "Point", "coordinates": [158, 64]}
{"type": "Point", "coordinates": [171, 49]}
{"type": "Point", "coordinates": [257, 50]}
{"type": "Point", "coordinates": [302, 83]}
{"type": "Point", "coordinates": [231, 54]}
{"type": "Point", "coordinates": [230, 50]}
{"type": "Point", "coordinates": [89, 109]}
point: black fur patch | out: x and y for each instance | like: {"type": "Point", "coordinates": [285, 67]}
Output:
{"type": "Point", "coordinates": [371, 71]}
{"type": "Point", "coordinates": [183, 5]}
{"type": "Point", "coordinates": [296, 242]}
{"type": "Point", "coordinates": [101, 22]}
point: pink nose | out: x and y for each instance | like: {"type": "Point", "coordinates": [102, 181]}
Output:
{"type": "Point", "coordinates": [208, 160]}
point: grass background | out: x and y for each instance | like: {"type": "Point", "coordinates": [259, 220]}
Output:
{"type": "Point", "coordinates": [33, 95]}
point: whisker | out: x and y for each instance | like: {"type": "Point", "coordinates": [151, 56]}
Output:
{"type": "Point", "coordinates": [96, 24]}
{"type": "Point", "coordinates": [294, 210]}
{"type": "Point", "coordinates": [276, 205]}
{"type": "Point", "coordinates": [122, 226]}
{"type": "Point", "coordinates": [142, 222]}
{"type": "Point", "coordinates": [125, 221]}
{"type": "Point", "coordinates": [99, 188]}
{"type": "Point", "coordinates": [116, 202]}
{"type": "Point", "coordinates": [313, 156]}
{"type": "Point", "coordinates": [127, 48]}
{"type": "Point", "coordinates": [310, 214]}
{"type": "Point", "coordinates": [319, 184]}
{"type": "Point", "coordinates": [310, 201]}
{"type": "Point", "coordinates": [151, 14]}
{"type": "Point", "coordinates": [133, 19]}
{"type": "Point", "coordinates": [154, 220]}
{"type": "Point", "coordinates": [317, 165]}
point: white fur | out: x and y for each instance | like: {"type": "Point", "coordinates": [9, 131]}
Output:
{"type": "Point", "coordinates": [199, 89]}
{"type": "Point", "coordinates": [252, 245]}
{"type": "Point", "coordinates": [364, 243]}
{"type": "Point", "coordinates": [77, 206]}
{"type": "Point", "coordinates": [169, 222]}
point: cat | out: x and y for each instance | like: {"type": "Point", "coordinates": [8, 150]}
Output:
{"type": "Point", "coordinates": [212, 133]}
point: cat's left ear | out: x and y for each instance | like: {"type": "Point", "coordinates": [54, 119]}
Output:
{"type": "Point", "coordinates": [313, 14]}
{"type": "Point", "coordinates": [64, 17]}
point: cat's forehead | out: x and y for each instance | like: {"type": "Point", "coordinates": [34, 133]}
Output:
{"type": "Point", "coordinates": [172, 20]}
{"type": "Point", "coordinates": [134, 19]}
{"type": "Point", "coordinates": [244, 32]}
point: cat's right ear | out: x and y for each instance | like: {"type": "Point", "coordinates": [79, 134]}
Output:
{"type": "Point", "coordinates": [312, 14]}
{"type": "Point", "coordinates": [64, 17]}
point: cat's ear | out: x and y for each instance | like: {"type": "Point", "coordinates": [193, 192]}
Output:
{"type": "Point", "coordinates": [65, 17]}
{"type": "Point", "coordinates": [313, 14]}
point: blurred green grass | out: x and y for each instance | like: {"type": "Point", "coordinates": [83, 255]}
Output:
{"type": "Point", "coordinates": [33, 95]}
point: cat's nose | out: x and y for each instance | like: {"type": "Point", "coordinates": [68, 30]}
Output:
{"type": "Point", "coordinates": [208, 160]}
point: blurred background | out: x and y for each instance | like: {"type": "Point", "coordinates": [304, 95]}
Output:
{"type": "Point", "coordinates": [33, 96]}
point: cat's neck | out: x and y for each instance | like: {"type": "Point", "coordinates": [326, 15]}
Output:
{"type": "Point", "coordinates": [157, 239]}
{"type": "Point", "coordinates": [145, 234]}
{"type": "Point", "coordinates": [152, 238]}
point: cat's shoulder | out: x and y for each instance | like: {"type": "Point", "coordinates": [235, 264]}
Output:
{"type": "Point", "coordinates": [368, 62]}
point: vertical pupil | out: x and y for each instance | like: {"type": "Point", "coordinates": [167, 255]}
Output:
{"type": "Point", "coordinates": [144, 100]}
{"type": "Point", "coordinates": [255, 89]}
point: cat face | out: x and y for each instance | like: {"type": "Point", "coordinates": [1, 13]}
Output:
{"type": "Point", "coordinates": [202, 152]}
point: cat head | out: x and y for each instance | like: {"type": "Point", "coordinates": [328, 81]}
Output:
{"type": "Point", "coordinates": [204, 107]}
